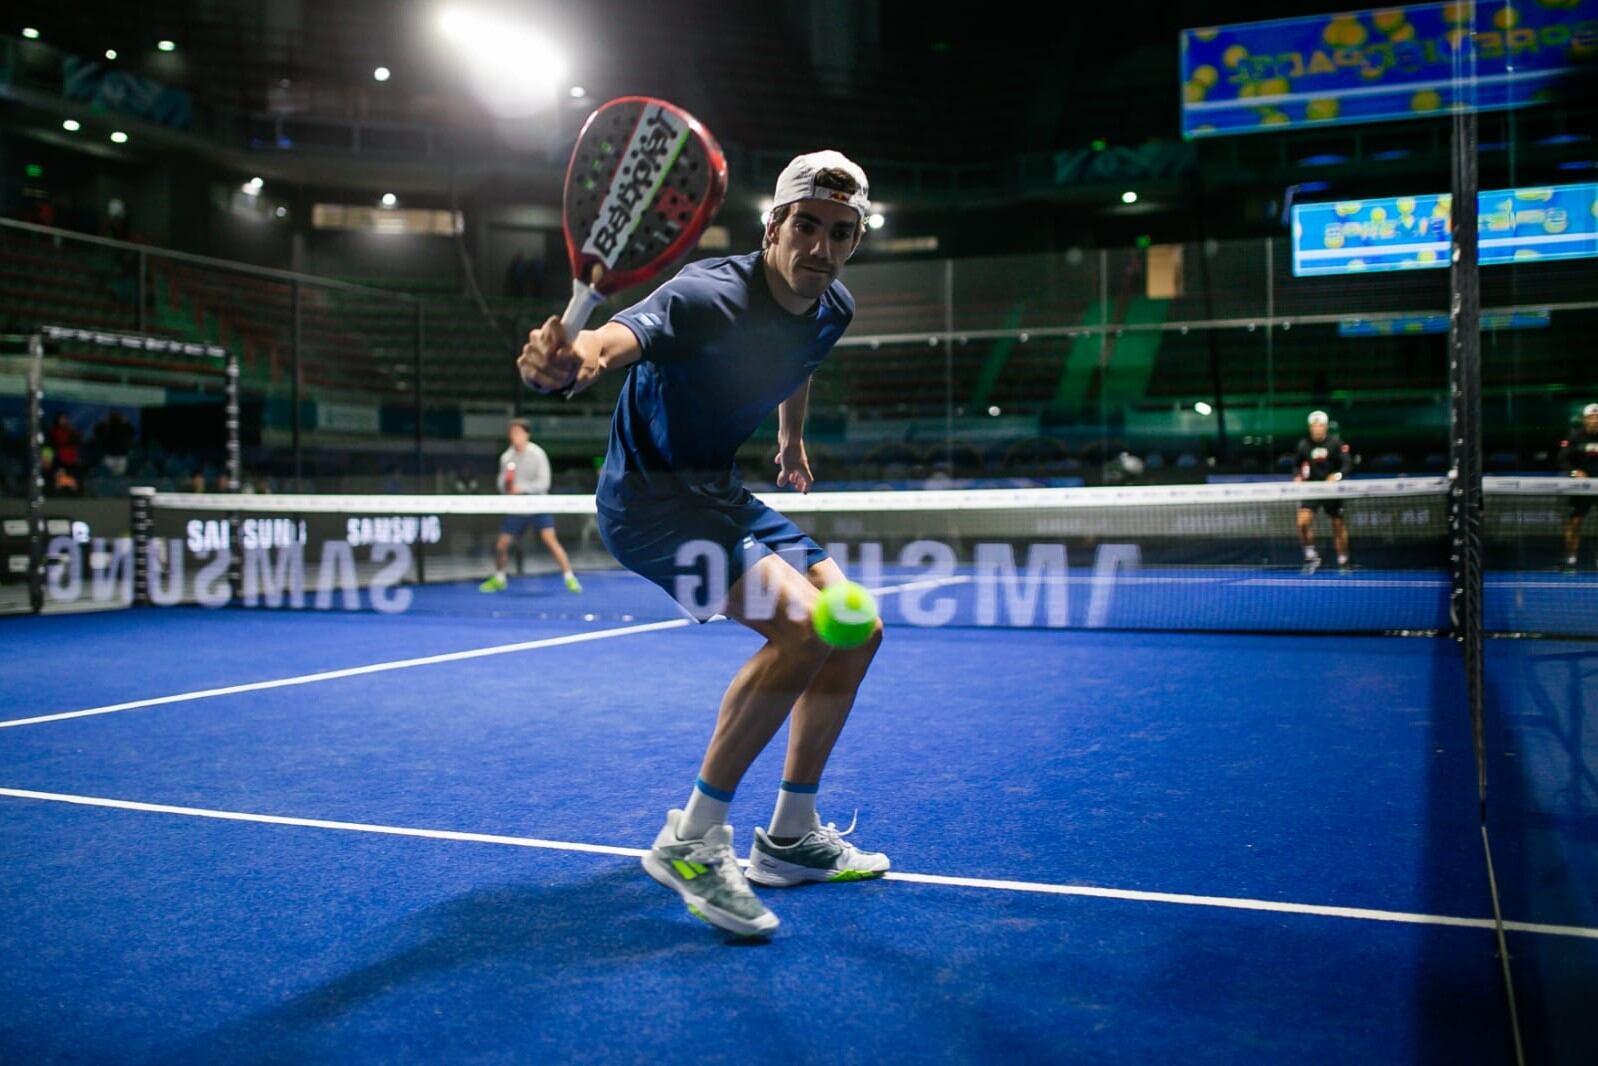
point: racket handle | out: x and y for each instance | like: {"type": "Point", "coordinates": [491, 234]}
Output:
{"type": "Point", "coordinates": [584, 300]}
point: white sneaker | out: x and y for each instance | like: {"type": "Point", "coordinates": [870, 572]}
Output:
{"type": "Point", "coordinates": [820, 855]}
{"type": "Point", "coordinates": [705, 874]}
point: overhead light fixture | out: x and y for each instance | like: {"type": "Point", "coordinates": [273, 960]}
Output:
{"type": "Point", "coordinates": [166, 46]}
{"type": "Point", "coordinates": [381, 74]}
{"type": "Point", "coordinates": [578, 92]}
{"type": "Point", "coordinates": [252, 187]}
{"type": "Point", "coordinates": [118, 137]}
{"type": "Point", "coordinates": [30, 33]}
{"type": "Point", "coordinates": [71, 125]}
{"type": "Point", "coordinates": [110, 53]}
{"type": "Point", "coordinates": [281, 212]}
{"type": "Point", "coordinates": [876, 221]}
{"type": "Point", "coordinates": [1129, 197]}
{"type": "Point", "coordinates": [1203, 408]}
{"type": "Point", "coordinates": [994, 412]}
{"type": "Point", "coordinates": [389, 199]}
{"type": "Point", "coordinates": [514, 70]}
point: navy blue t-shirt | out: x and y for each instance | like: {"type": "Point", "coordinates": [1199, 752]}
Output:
{"type": "Point", "coordinates": [719, 355]}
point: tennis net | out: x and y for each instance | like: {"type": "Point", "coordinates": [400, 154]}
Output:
{"type": "Point", "coordinates": [1224, 557]}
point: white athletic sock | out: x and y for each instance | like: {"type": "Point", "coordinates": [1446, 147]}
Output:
{"type": "Point", "coordinates": [703, 810]}
{"type": "Point", "coordinates": [796, 810]}
{"type": "Point", "coordinates": [499, 575]}
{"type": "Point", "coordinates": [1342, 560]}
{"type": "Point", "coordinates": [1309, 552]}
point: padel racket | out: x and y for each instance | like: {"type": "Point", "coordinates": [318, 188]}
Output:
{"type": "Point", "coordinates": [645, 179]}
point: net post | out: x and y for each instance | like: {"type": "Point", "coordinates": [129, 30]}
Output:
{"type": "Point", "coordinates": [1464, 370]}
{"type": "Point", "coordinates": [235, 477]}
{"type": "Point", "coordinates": [35, 390]}
{"type": "Point", "coordinates": [948, 364]}
{"type": "Point", "coordinates": [141, 504]}
{"type": "Point", "coordinates": [142, 315]}
{"type": "Point", "coordinates": [295, 338]}
{"type": "Point", "coordinates": [416, 389]}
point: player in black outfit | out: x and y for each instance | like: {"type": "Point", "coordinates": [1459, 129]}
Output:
{"type": "Point", "coordinates": [1322, 456]}
{"type": "Point", "coordinates": [1578, 456]}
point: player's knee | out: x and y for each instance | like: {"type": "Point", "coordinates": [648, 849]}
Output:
{"type": "Point", "coordinates": [798, 637]}
{"type": "Point", "coordinates": [868, 650]}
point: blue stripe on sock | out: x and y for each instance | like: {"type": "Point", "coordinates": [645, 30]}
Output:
{"type": "Point", "coordinates": [794, 786]}
{"type": "Point", "coordinates": [712, 791]}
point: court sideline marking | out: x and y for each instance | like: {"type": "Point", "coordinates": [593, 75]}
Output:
{"type": "Point", "coordinates": [405, 664]}
{"type": "Point", "coordinates": [1042, 888]}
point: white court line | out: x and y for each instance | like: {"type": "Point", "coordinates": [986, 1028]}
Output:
{"type": "Point", "coordinates": [1044, 888]}
{"type": "Point", "coordinates": [356, 671]}
{"type": "Point", "coordinates": [405, 664]}
{"type": "Point", "coordinates": [924, 583]}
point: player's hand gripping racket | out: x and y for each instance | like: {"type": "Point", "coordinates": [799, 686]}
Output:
{"type": "Point", "coordinates": [645, 180]}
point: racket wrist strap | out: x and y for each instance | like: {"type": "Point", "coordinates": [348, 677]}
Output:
{"type": "Point", "coordinates": [584, 300]}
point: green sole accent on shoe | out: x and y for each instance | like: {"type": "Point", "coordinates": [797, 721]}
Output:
{"type": "Point", "coordinates": [697, 913]}
{"type": "Point", "coordinates": [855, 875]}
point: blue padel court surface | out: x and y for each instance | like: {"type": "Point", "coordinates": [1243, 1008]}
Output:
{"type": "Point", "coordinates": [249, 836]}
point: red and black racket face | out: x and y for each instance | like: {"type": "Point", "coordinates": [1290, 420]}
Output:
{"type": "Point", "coordinates": [645, 180]}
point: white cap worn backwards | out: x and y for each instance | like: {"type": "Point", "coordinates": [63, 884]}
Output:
{"type": "Point", "coordinates": [802, 180]}
{"type": "Point", "coordinates": [1318, 416]}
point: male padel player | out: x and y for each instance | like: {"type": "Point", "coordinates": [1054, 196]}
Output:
{"type": "Point", "coordinates": [524, 471]}
{"type": "Point", "coordinates": [710, 354]}
{"type": "Point", "coordinates": [1322, 456]}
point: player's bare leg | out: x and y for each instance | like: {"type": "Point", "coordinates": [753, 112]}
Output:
{"type": "Point", "coordinates": [1306, 538]}
{"type": "Point", "coordinates": [796, 848]}
{"type": "Point", "coordinates": [768, 685]}
{"type": "Point", "coordinates": [823, 708]}
{"type": "Point", "coordinates": [693, 854]}
{"type": "Point", "coordinates": [552, 543]}
{"type": "Point", "coordinates": [1572, 540]}
{"type": "Point", "coordinates": [1340, 540]}
{"type": "Point", "coordinates": [496, 581]}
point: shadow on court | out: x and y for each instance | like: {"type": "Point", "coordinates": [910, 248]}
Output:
{"type": "Point", "coordinates": [524, 959]}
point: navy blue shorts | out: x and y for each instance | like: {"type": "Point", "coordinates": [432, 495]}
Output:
{"type": "Point", "coordinates": [1334, 508]}
{"type": "Point", "coordinates": [696, 547]}
{"type": "Point", "coordinates": [517, 524]}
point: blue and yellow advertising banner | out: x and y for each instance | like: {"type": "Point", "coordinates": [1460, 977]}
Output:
{"type": "Point", "coordinates": [1372, 66]}
{"type": "Point", "coordinates": [1412, 232]}
{"type": "Point", "coordinates": [1491, 321]}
